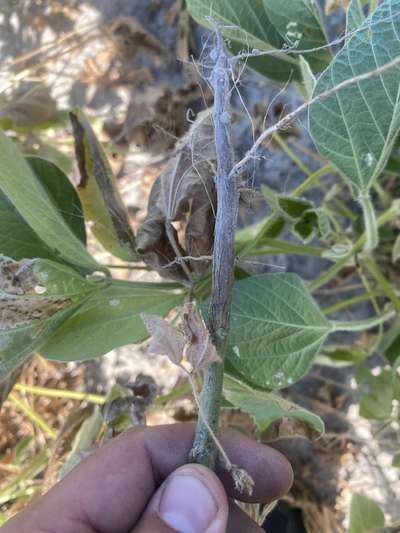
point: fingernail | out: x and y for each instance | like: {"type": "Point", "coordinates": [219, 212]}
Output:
{"type": "Point", "coordinates": [187, 504]}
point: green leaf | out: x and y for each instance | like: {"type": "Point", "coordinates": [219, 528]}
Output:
{"type": "Point", "coordinates": [356, 126]}
{"type": "Point", "coordinates": [354, 16]}
{"type": "Point", "coordinates": [294, 207]}
{"type": "Point", "coordinates": [109, 319]}
{"type": "Point", "coordinates": [313, 222]}
{"type": "Point", "coordinates": [377, 402]}
{"type": "Point", "coordinates": [98, 191]}
{"type": "Point", "coordinates": [308, 77]}
{"type": "Point", "coordinates": [62, 193]}
{"type": "Point", "coordinates": [17, 239]}
{"type": "Point", "coordinates": [299, 24]}
{"type": "Point", "coordinates": [254, 31]}
{"type": "Point", "coordinates": [276, 329]}
{"type": "Point", "coordinates": [396, 460]}
{"type": "Point", "coordinates": [274, 416]}
{"type": "Point", "coordinates": [365, 515]}
{"type": "Point", "coordinates": [36, 296]}
{"type": "Point", "coordinates": [29, 197]}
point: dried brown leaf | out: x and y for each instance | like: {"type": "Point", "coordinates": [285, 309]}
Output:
{"type": "Point", "coordinates": [289, 428]}
{"type": "Point", "coordinates": [190, 173]}
{"type": "Point", "coordinates": [165, 339]}
{"type": "Point", "coordinates": [184, 193]}
{"type": "Point", "coordinates": [153, 244]}
{"type": "Point", "coordinates": [199, 349]}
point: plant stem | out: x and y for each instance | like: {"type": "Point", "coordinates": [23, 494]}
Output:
{"type": "Point", "coordinates": [362, 325]}
{"type": "Point", "coordinates": [383, 283]}
{"type": "Point", "coordinates": [30, 413]}
{"type": "Point", "coordinates": [289, 152]}
{"type": "Point", "coordinates": [288, 247]}
{"type": "Point", "coordinates": [311, 178]}
{"type": "Point", "coordinates": [60, 393]}
{"type": "Point", "coordinates": [371, 226]}
{"type": "Point", "coordinates": [351, 301]}
{"type": "Point", "coordinates": [204, 450]}
{"type": "Point", "coordinates": [325, 277]}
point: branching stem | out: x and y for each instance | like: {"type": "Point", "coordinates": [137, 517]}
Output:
{"type": "Point", "coordinates": [204, 450]}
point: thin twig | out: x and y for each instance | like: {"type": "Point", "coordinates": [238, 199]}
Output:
{"type": "Point", "coordinates": [240, 167]}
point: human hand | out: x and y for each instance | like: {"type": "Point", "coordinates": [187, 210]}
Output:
{"type": "Point", "coordinates": [139, 483]}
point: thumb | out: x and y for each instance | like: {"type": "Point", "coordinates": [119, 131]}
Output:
{"type": "Point", "coordinates": [191, 500]}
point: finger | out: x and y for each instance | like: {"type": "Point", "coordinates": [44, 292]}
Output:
{"type": "Point", "coordinates": [109, 490]}
{"type": "Point", "coordinates": [191, 500]}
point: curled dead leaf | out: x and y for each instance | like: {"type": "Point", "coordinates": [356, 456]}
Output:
{"type": "Point", "coordinates": [190, 340]}
{"type": "Point", "coordinates": [199, 349]}
{"type": "Point", "coordinates": [184, 193]}
{"type": "Point", "coordinates": [287, 428]}
{"type": "Point", "coordinates": [165, 339]}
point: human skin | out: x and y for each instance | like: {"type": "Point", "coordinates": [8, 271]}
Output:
{"type": "Point", "coordinates": [139, 483]}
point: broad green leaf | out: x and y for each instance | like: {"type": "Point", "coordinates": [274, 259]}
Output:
{"type": "Point", "coordinates": [299, 24]}
{"type": "Point", "coordinates": [109, 319]}
{"type": "Point", "coordinates": [53, 154]}
{"type": "Point", "coordinates": [274, 416]}
{"type": "Point", "coordinates": [254, 31]}
{"type": "Point", "coordinates": [267, 25]}
{"type": "Point", "coordinates": [98, 191]}
{"type": "Point", "coordinates": [17, 238]}
{"type": "Point", "coordinates": [379, 392]}
{"type": "Point", "coordinates": [276, 329]}
{"type": "Point", "coordinates": [354, 16]}
{"type": "Point", "coordinates": [36, 296]}
{"type": "Point", "coordinates": [62, 193]}
{"type": "Point", "coordinates": [356, 126]}
{"type": "Point", "coordinates": [365, 515]}
{"type": "Point", "coordinates": [29, 197]}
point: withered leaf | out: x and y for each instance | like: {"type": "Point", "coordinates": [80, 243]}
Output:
{"type": "Point", "coordinates": [32, 108]}
{"type": "Point", "coordinates": [36, 296]}
{"type": "Point", "coordinates": [153, 243]}
{"type": "Point", "coordinates": [98, 191]}
{"type": "Point", "coordinates": [190, 173]}
{"type": "Point", "coordinates": [199, 349]}
{"type": "Point", "coordinates": [184, 193]}
{"type": "Point", "coordinates": [165, 339]}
